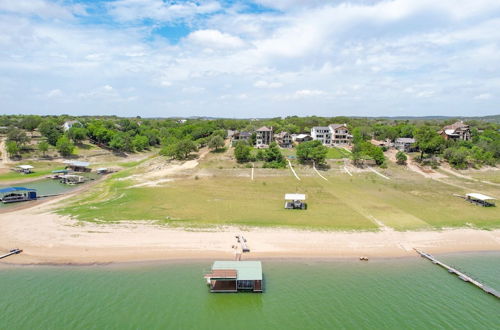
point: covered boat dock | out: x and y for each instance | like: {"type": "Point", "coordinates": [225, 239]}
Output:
{"type": "Point", "coordinates": [235, 276]}
{"type": "Point", "coordinates": [78, 166]}
{"type": "Point", "coordinates": [17, 194]}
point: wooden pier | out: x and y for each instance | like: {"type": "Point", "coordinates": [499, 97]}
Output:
{"type": "Point", "coordinates": [14, 251]}
{"type": "Point", "coordinates": [462, 276]}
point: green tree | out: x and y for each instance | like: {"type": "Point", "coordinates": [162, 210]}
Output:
{"type": "Point", "coordinates": [273, 157]}
{"type": "Point", "coordinates": [312, 151]}
{"type": "Point", "coordinates": [179, 150]}
{"type": "Point", "coordinates": [77, 134]}
{"type": "Point", "coordinates": [216, 142]}
{"type": "Point", "coordinates": [12, 148]}
{"type": "Point", "coordinates": [29, 123]}
{"type": "Point", "coordinates": [17, 135]}
{"type": "Point", "coordinates": [121, 142]}
{"type": "Point", "coordinates": [242, 152]}
{"type": "Point", "coordinates": [401, 158]}
{"type": "Point", "coordinates": [51, 130]}
{"type": "Point", "coordinates": [428, 140]}
{"type": "Point", "coordinates": [43, 147]}
{"type": "Point", "coordinates": [140, 142]}
{"type": "Point", "coordinates": [65, 146]}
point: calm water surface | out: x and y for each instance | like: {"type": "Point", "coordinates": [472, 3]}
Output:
{"type": "Point", "coordinates": [407, 293]}
{"type": "Point", "coordinates": [43, 187]}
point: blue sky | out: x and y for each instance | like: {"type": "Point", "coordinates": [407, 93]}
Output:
{"type": "Point", "coordinates": [257, 58]}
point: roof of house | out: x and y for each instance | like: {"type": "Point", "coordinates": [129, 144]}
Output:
{"type": "Point", "coordinates": [77, 163]}
{"type": "Point", "coordinates": [244, 134]}
{"type": "Point", "coordinates": [405, 140]}
{"type": "Point", "coordinates": [282, 134]}
{"type": "Point", "coordinates": [480, 196]}
{"type": "Point", "coordinates": [334, 126]}
{"type": "Point", "coordinates": [295, 197]}
{"type": "Point", "coordinates": [320, 127]}
{"type": "Point", "coordinates": [264, 129]}
{"type": "Point", "coordinates": [451, 129]}
{"type": "Point", "coordinates": [302, 136]}
{"type": "Point", "coordinates": [12, 189]}
{"type": "Point", "coordinates": [246, 270]}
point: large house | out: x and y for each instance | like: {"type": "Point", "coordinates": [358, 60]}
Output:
{"type": "Point", "coordinates": [332, 135]}
{"type": "Point", "coordinates": [240, 136]}
{"type": "Point", "coordinates": [299, 138]}
{"type": "Point", "coordinates": [322, 134]}
{"type": "Point", "coordinates": [284, 139]}
{"type": "Point", "coordinates": [70, 123]}
{"type": "Point", "coordinates": [340, 134]}
{"type": "Point", "coordinates": [456, 131]}
{"type": "Point", "coordinates": [263, 137]}
{"type": "Point", "coordinates": [405, 144]}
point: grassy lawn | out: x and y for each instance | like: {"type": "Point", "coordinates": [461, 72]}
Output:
{"type": "Point", "coordinates": [40, 169]}
{"type": "Point", "coordinates": [336, 153]}
{"type": "Point", "coordinates": [341, 203]}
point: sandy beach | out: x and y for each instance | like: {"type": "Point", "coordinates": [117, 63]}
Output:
{"type": "Point", "coordinates": [47, 237]}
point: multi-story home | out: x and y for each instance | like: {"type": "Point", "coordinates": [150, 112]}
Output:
{"type": "Point", "coordinates": [340, 134]}
{"type": "Point", "coordinates": [322, 134]}
{"type": "Point", "coordinates": [456, 131]}
{"type": "Point", "coordinates": [284, 139]}
{"type": "Point", "coordinates": [263, 137]}
{"type": "Point", "coordinates": [405, 144]}
{"type": "Point", "coordinates": [240, 136]}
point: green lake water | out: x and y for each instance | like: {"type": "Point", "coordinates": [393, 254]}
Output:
{"type": "Point", "coordinates": [43, 187]}
{"type": "Point", "coordinates": [409, 293]}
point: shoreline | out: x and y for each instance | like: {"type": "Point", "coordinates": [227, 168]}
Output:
{"type": "Point", "coordinates": [273, 259]}
{"type": "Point", "coordinates": [51, 239]}
{"type": "Point", "coordinates": [48, 238]}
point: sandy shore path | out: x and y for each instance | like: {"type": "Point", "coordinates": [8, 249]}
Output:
{"type": "Point", "coordinates": [46, 237]}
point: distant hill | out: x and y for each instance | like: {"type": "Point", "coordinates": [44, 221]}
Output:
{"type": "Point", "coordinates": [492, 118]}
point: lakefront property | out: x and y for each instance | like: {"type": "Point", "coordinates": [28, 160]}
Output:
{"type": "Point", "coordinates": [249, 164]}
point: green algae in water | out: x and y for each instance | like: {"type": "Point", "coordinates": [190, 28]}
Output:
{"type": "Point", "coordinates": [380, 294]}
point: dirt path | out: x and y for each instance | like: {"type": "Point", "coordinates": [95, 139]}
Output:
{"type": "Point", "coordinates": [293, 171]}
{"type": "Point", "coordinates": [5, 156]}
{"type": "Point", "coordinates": [156, 173]}
{"type": "Point", "coordinates": [447, 169]}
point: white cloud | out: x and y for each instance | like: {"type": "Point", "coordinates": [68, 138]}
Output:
{"type": "Point", "coordinates": [54, 93]}
{"type": "Point", "coordinates": [309, 92]}
{"type": "Point", "coordinates": [135, 10]}
{"type": "Point", "coordinates": [361, 57]}
{"type": "Point", "coordinates": [265, 84]}
{"type": "Point", "coordinates": [483, 96]}
{"type": "Point", "coordinates": [41, 8]}
{"type": "Point", "coordinates": [215, 39]}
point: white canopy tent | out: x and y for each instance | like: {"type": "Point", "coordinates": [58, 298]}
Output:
{"type": "Point", "coordinates": [481, 197]}
{"type": "Point", "coordinates": [295, 197]}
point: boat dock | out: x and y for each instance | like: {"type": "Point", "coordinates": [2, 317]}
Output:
{"type": "Point", "coordinates": [462, 276]}
{"type": "Point", "coordinates": [14, 251]}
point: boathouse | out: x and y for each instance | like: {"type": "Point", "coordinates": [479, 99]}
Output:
{"type": "Point", "coordinates": [235, 276]}
{"type": "Point", "coordinates": [17, 194]}
{"type": "Point", "coordinates": [78, 166]}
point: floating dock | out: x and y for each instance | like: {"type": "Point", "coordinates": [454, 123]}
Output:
{"type": "Point", "coordinates": [14, 251]}
{"type": "Point", "coordinates": [462, 276]}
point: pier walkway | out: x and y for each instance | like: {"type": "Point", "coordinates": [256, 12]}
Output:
{"type": "Point", "coordinates": [460, 275]}
{"type": "Point", "coordinates": [14, 251]}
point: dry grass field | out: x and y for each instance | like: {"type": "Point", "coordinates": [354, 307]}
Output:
{"type": "Point", "coordinates": [221, 192]}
